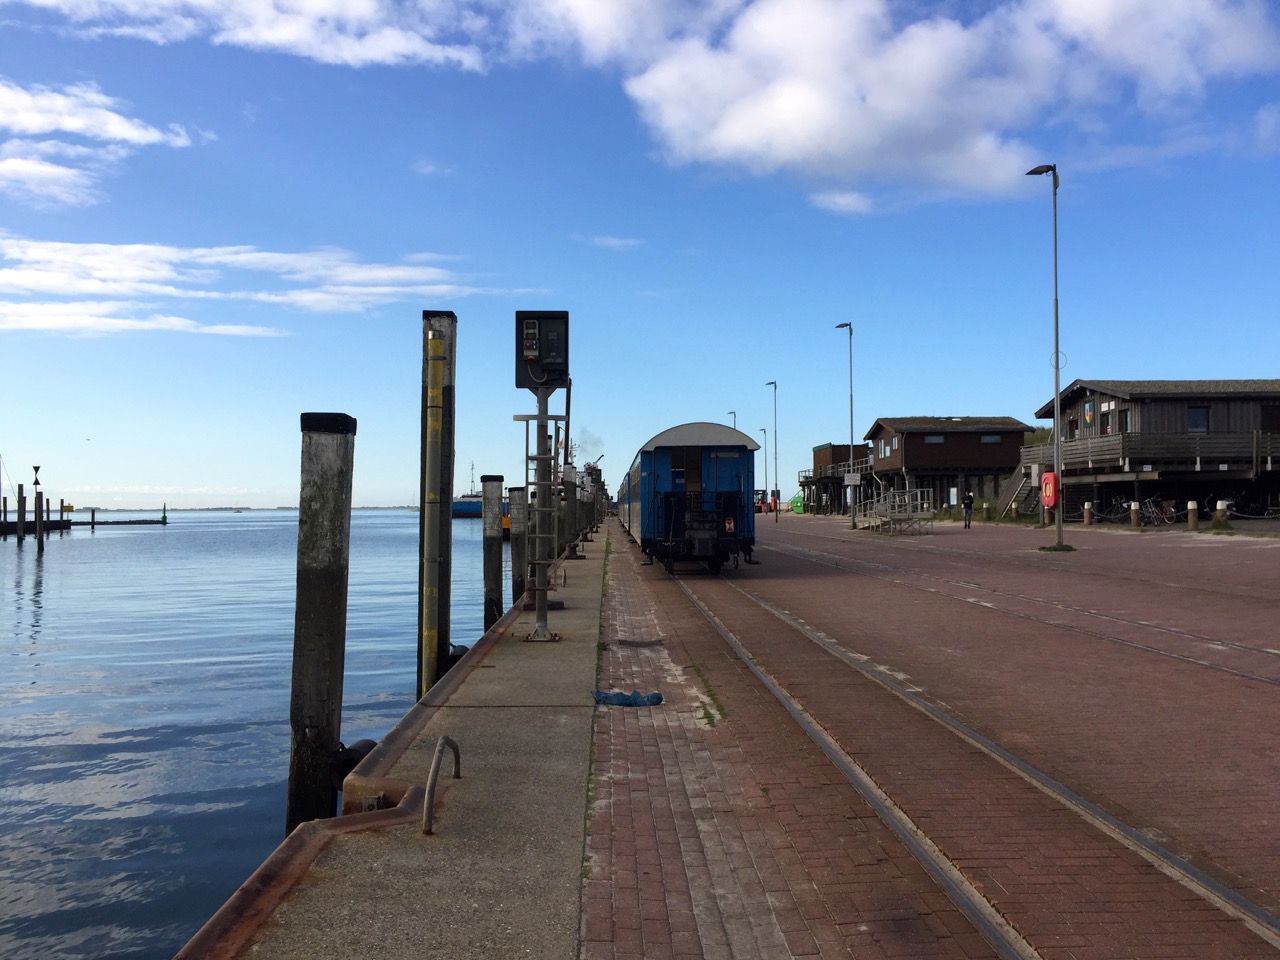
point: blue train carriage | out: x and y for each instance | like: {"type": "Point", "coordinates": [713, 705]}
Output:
{"type": "Point", "coordinates": [688, 496]}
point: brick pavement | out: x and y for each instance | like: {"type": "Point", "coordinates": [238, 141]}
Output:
{"type": "Point", "coordinates": [736, 838]}
{"type": "Point", "coordinates": [718, 829]}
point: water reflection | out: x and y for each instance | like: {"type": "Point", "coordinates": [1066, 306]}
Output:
{"type": "Point", "coordinates": [144, 714]}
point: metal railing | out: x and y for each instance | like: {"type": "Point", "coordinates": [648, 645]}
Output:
{"type": "Point", "coordinates": [428, 805]}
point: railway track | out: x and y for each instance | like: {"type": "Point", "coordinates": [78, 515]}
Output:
{"type": "Point", "coordinates": [917, 760]}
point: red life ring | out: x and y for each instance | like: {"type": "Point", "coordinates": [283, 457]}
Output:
{"type": "Point", "coordinates": [1049, 489]}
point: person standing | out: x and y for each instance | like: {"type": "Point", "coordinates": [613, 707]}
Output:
{"type": "Point", "coordinates": [967, 503]}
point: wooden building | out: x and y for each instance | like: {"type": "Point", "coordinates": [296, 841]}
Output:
{"type": "Point", "coordinates": [823, 487]}
{"type": "Point", "coordinates": [946, 455]}
{"type": "Point", "coordinates": [1182, 439]}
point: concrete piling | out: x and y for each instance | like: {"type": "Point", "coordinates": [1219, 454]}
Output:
{"type": "Point", "coordinates": [320, 617]}
{"type": "Point", "coordinates": [1193, 515]}
{"type": "Point", "coordinates": [491, 488]}
{"type": "Point", "coordinates": [519, 499]}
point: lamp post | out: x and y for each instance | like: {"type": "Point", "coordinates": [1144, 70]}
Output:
{"type": "Point", "coordinates": [734, 414]}
{"type": "Point", "coordinates": [1057, 390]}
{"type": "Point", "coordinates": [766, 465]}
{"type": "Point", "coordinates": [853, 520]}
{"type": "Point", "coordinates": [776, 478]}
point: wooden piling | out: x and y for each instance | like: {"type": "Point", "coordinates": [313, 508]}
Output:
{"type": "Point", "coordinates": [491, 488]}
{"type": "Point", "coordinates": [41, 525]}
{"type": "Point", "coordinates": [519, 510]}
{"type": "Point", "coordinates": [320, 617]}
{"type": "Point", "coordinates": [437, 565]}
{"type": "Point", "coordinates": [1193, 515]}
{"type": "Point", "coordinates": [20, 526]}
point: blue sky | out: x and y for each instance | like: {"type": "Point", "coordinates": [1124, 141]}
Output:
{"type": "Point", "coordinates": [215, 216]}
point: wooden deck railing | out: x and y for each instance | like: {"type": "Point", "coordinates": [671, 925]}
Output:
{"type": "Point", "coordinates": [1132, 451]}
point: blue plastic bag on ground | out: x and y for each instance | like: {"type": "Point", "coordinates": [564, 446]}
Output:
{"type": "Point", "coordinates": [633, 699]}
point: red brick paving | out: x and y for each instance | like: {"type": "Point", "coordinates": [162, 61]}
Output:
{"type": "Point", "coordinates": [739, 839]}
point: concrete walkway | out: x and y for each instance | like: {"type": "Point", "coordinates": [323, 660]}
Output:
{"type": "Point", "coordinates": [501, 873]}
{"type": "Point", "coordinates": [713, 826]}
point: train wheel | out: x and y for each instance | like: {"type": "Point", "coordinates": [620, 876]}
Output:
{"type": "Point", "coordinates": [670, 564]}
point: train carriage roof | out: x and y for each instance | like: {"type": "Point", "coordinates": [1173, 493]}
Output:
{"type": "Point", "coordinates": [701, 435]}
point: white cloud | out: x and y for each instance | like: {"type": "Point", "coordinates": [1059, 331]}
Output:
{"type": "Point", "coordinates": [839, 91]}
{"type": "Point", "coordinates": [842, 201]}
{"type": "Point", "coordinates": [99, 318]}
{"type": "Point", "coordinates": [851, 95]}
{"type": "Point", "coordinates": [352, 33]}
{"type": "Point", "coordinates": [99, 288]}
{"type": "Point", "coordinates": [1267, 128]}
{"type": "Point", "coordinates": [85, 136]}
{"type": "Point", "coordinates": [616, 243]}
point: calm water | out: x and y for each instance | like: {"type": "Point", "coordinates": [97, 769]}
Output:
{"type": "Point", "coordinates": [144, 713]}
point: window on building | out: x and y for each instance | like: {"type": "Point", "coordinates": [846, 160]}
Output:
{"type": "Point", "coordinates": [933, 438]}
{"type": "Point", "coordinates": [895, 441]}
{"type": "Point", "coordinates": [1197, 419]}
{"type": "Point", "coordinates": [1126, 420]}
{"type": "Point", "coordinates": [990, 438]}
{"type": "Point", "coordinates": [1073, 428]}
{"type": "Point", "coordinates": [1104, 423]}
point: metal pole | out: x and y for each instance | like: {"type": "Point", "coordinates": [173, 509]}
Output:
{"type": "Point", "coordinates": [320, 616]}
{"type": "Point", "coordinates": [766, 467]}
{"type": "Point", "coordinates": [1057, 387]}
{"type": "Point", "coordinates": [1041, 170]}
{"type": "Point", "coordinates": [853, 519]}
{"type": "Point", "coordinates": [776, 477]}
{"type": "Point", "coordinates": [544, 518]}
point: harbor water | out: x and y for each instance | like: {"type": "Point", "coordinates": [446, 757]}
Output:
{"type": "Point", "coordinates": [144, 712]}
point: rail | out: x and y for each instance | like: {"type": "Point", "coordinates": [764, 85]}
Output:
{"type": "Point", "coordinates": [1258, 450]}
{"type": "Point", "coordinates": [430, 803]}
{"type": "Point", "coordinates": [898, 511]}
{"type": "Point", "coordinates": [836, 470]}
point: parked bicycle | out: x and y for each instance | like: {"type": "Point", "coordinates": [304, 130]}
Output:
{"type": "Point", "coordinates": [1156, 512]}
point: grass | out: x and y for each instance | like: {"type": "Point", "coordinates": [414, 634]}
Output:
{"type": "Point", "coordinates": [711, 695]}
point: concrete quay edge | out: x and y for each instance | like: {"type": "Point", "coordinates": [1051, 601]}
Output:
{"type": "Point", "coordinates": [501, 873]}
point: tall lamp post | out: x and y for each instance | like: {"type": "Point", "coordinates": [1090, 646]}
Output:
{"type": "Point", "coordinates": [853, 520]}
{"type": "Point", "coordinates": [734, 414]}
{"type": "Point", "coordinates": [1057, 389]}
{"type": "Point", "coordinates": [766, 465]}
{"type": "Point", "coordinates": [776, 479]}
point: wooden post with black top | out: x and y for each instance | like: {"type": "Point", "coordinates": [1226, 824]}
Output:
{"type": "Point", "coordinates": [491, 488]}
{"type": "Point", "coordinates": [320, 617]}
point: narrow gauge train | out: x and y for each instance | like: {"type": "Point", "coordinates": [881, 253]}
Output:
{"type": "Point", "coordinates": [688, 496]}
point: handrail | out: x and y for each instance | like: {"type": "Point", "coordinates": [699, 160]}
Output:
{"type": "Point", "coordinates": [429, 804]}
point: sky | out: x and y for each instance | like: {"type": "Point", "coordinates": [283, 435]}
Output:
{"type": "Point", "coordinates": [216, 215]}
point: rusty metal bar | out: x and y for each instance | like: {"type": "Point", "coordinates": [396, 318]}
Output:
{"type": "Point", "coordinates": [429, 804]}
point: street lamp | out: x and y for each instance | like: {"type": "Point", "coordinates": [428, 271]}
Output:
{"type": "Point", "coordinates": [766, 466]}
{"type": "Point", "coordinates": [734, 414]}
{"type": "Point", "coordinates": [776, 478]}
{"type": "Point", "coordinates": [853, 520]}
{"type": "Point", "coordinates": [1057, 390]}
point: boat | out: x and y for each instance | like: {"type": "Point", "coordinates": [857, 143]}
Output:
{"type": "Point", "coordinates": [468, 505]}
